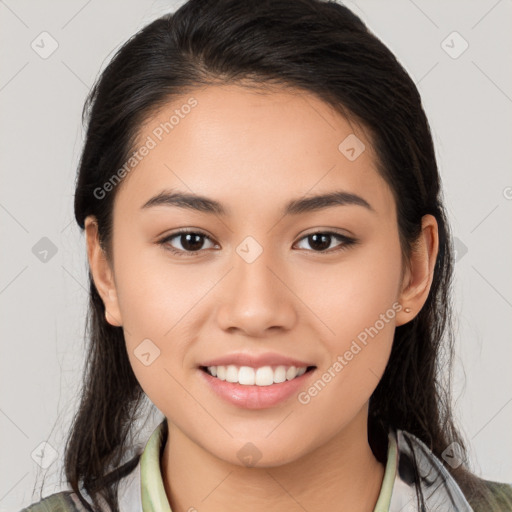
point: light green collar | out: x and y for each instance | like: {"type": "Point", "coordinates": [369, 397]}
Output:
{"type": "Point", "coordinates": [384, 499]}
{"type": "Point", "coordinates": [153, 494]}
{"type": "Point", "coordinates": [154, 498]}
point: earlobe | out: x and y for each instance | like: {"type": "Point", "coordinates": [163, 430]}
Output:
{"type": "Point", "coordinates": [420, 272]}
{"type": "Point", "coordinates": [102, 273]}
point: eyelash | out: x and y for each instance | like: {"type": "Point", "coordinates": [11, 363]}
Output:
{"type": "Point", "coordinates": [347, 242]}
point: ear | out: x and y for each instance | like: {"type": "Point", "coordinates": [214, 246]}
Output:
{"type": "Point", "coordinates": [102, 272]}
{"type": "Point", "coordinates": [420, 271]}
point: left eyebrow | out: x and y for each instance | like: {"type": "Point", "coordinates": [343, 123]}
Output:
{"type": "Point", "coordinates": [319, 202]}
{"type": "Point", "coordinates": [293, 207]}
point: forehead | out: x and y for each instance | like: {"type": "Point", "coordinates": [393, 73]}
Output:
{"type": "Point", "coordinates": [251, 147]}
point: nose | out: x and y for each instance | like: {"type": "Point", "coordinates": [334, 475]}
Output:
{"type": "Point", "coordinates": [257, 297]}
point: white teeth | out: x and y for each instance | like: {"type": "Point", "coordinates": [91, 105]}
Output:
{"type": "Point", "coordinates": [280, 374]}
{"type": "Point", "coordinates": [221, 372]}
{"type": "Point", "coordinates": [263, 376]}
{"type": "Point", "coordinates": [231, 373]}
{"type": "Point", "coordinates": [301, 371]}
{"type": "Point", "coordinates": [246, 376]}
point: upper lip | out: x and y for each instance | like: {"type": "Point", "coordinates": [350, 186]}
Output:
{"type": "Point", "coordinates": [256, 360]}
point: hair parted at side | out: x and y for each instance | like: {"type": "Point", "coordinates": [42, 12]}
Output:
{"type": "Point", "coordinates": [318, 47]}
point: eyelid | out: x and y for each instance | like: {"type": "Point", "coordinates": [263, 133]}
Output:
{"type": "Point", "coordinates": [330, 231]}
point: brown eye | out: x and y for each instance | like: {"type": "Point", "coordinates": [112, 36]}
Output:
{"type": "Point", "coordinates": [187, 242]}
{"type": "Point", "coordinates": [191, 241]}
{"type": "Point", "coordinates": [321, 241]}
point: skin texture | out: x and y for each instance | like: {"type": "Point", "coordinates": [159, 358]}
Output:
{"type": "Point", "coordinates": [253, 152]}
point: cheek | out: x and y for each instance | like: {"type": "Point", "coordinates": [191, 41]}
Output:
{"type": "Point", "coordinates": [157, 330]}
{"type": "Point", "coordinates": [352, 294]}
{"type": "Point", "coordinates": [155, 294]}
{"type": "Point", "coordinates": [156, 302]}
{"type": "Point", "coordinates": [356, 303]}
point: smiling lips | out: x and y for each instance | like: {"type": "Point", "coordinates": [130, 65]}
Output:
{"type": "Point", "coordinates": [255, 381]}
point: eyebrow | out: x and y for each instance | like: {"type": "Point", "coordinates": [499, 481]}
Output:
{"type": "Point", "coordinates": [294, 207]}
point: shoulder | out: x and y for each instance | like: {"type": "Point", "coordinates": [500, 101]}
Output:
{"type": "Point", "coordinates": [501, 492]}
{"type": "Point", "coordinates": [63, 501]}
{"type": "Point", "coordinates": [128, 480]}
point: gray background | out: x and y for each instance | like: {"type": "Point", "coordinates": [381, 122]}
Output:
{"type": "Point", "coordinates": [467, 97]}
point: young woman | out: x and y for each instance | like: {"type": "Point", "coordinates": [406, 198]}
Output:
{"type": "Point", "coordinates": [270, 264]}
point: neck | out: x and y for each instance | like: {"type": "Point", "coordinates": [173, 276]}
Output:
{"type": "Point", "coordinates": [342, 474]}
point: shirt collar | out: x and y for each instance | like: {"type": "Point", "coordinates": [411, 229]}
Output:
{"type": "Point", "coordinates": [153, 496]}
{"type": "Point", "coordinates": [422, 482]}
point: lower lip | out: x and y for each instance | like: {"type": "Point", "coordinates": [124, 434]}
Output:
{"type": "Point", "coordinates": [255, 397]}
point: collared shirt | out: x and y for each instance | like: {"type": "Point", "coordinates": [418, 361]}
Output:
{"type": "Point", "coordinates": [154, 498]}
{"type": "Point", "coordinates": [414, 480]}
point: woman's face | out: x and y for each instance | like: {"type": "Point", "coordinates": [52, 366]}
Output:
{"type": "Point", "coordinates": [253, 280]}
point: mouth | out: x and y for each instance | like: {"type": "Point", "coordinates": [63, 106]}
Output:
{"type": "Point", "coordinates": [261, 376]}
